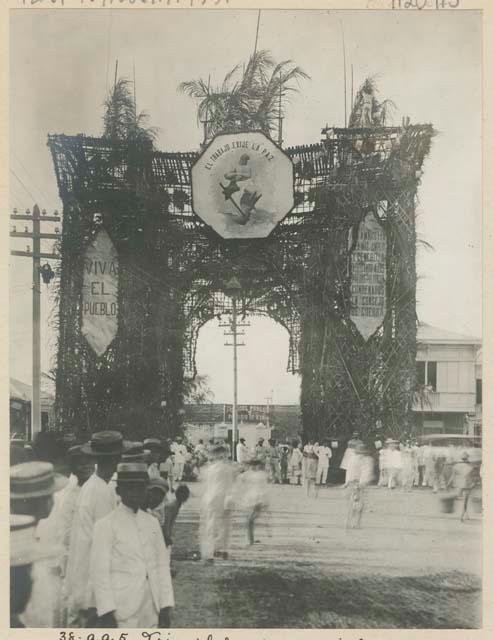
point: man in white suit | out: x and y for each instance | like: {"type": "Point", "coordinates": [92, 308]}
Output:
{"type": "Point", "coordinates": [129, 566]}
{"type": "Point", "coordinates": [97, 498]}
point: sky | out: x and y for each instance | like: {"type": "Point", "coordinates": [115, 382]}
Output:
{"type": "Point", "coordinates": [428, 63]}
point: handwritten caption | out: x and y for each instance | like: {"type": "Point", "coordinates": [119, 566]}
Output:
{"type": "Point", "coordinates": [109, 3]}
{"type": "Point", "coordinates": [141, 635]}
{"type": "Point", "coordinates": [425, 4]}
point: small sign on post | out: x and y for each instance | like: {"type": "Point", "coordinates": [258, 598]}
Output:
{"type": "Point", "coordinates": [100, 293]}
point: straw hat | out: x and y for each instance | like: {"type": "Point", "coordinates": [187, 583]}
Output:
{"type": "Point", "coordinates": [152, 444]}
{"type": "Point", "coordinates": [158, 483]}
{"type": "Point", "coordinates": [132, 472]}
{"type": "Point", "coordinates": [104, 443]}
{"type": "Point", "coordinates": [134, 452]}
{"type": "Point", "coordinates": [76, 452]}
{"type": "Point", "coordinates": [34, 480]}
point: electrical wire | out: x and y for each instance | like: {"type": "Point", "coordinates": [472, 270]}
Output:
{"type": "Point", "coordinates": [23, 185]}
{"type": "Point", "coordinates": [33, 183]}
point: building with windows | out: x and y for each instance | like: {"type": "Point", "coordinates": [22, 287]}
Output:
{"type": "Point", "coordinates": [20, 409]}
{"type": "Point", "coordinates": [206, 421]}
{"type": "Point", "coordinates": [449, 382]}
{"type": "Point", "coordinates": [448, 398]}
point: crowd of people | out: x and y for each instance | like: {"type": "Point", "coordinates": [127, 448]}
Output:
{"type": "Point", "coordinates": [93, 549]}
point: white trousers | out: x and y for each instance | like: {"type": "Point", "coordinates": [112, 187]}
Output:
{"type": "Point", "coordinates": [178, 471]}
{"type": "Point", "coordinates": [214, 532]}
{"type": "Point", "coordinates": [146, 617]}
{"type": "Point", "coordinates": [322, 474]}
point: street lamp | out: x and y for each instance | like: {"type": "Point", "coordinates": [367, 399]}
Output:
{"type": "Point", "coordinates": [233, 290]}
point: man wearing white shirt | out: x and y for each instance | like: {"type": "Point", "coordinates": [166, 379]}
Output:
{"type": "Point", "coordinates": [324, 454]}
{"type": "Point", "coordinates": [242, 452]}
{"type": "Point", "coordinates": [129, 563]}
{"type": "Point", "coordinates": [96, 500]}
{"type": "Point", "coordinates": [180, 453]}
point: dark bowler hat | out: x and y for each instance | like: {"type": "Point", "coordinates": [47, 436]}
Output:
{"type": "Point", "coordinates": [152, 444]}
{"type": "Point", "coordinates": [104, 443]}
{"type": "Point", "coordinates": [132, 472]}
{"type": "Point", "coordinates": [34, 480]}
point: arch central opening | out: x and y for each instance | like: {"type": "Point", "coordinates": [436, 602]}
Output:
{"type": "Point", "coordinates": [268, 396]}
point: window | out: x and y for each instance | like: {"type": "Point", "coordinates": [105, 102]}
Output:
{"type": "Point", "coordinates": [420, 372]}
{"type": "Point", "coordinates": [478, 391]}
{"type": "Point", "coordinates": [432, 375]}
{"type": "Point", "coordinates": [427, 374]}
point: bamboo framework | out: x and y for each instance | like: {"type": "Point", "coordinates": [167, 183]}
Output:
{"type": "Point", "coordinates": [173, 269]}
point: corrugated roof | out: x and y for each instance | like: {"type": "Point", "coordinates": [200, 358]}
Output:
{"type": "Point", "coordinates": [22, 391]}
{"type": "Point", "coordinates": [428, 333]}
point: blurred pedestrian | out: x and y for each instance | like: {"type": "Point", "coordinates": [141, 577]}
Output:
{"type": "Point", "coordinates": [463, 480]}
{"type": "Point", "coordinates": [166, 468]}
{"type": "Point", "coordinates": [242, 453]}
{"type": "Point", "coordinates": [394, 464]}
{"type": "Point", "coordinates": [362, 470]}
{"type": "Point", "coordinates": [32, 488]}
{"type": "Point", "coordinates": [348, 457]}
{"type": "Point", "coordinates": [25, 553]}
{"type": "Point", "coordinates": [216, 506]}
{"type": "Point", "coordinates": [273, 461]}
{"type": "Point", "coordinates": [255, 489]}
{"type": "Point", "coordinates": [284, 452]}
{"type": "Point", "coordinates": [260, 450]}
{"type": "Point", "coordinates": [296, 462]}
{"type": "Point", "coordinates": [172, 509]}
{"type": "Point", "coordinates": [407, 466]}
{"type": "Point", "coordinates": [310, 472]}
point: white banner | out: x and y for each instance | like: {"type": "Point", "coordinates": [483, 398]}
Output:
{"type": "Point", "coordinates": [100, 293]}
{"type": "Point", "coordinates": [368, 281]}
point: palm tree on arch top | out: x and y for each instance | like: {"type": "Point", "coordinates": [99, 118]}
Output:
{"type": "Point", "coordinates": [254, 98]}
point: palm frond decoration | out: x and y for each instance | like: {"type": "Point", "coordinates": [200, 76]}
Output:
{"type": "Point", "coordinates": [367, 111]}
{"type": "Point", "coordinates": [121, 122]}
{"type": "Point", "coordinates": [252, 98]}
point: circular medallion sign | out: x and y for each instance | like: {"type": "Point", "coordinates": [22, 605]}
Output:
{"type": "Point", "coordinates": [242, 185]}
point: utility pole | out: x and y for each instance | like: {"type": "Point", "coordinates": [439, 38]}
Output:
{"type": "Point", "coordinates": [280, 117]}
{"type": "Point", "coordinates": [233, 289]}
{"type": "Point", "coordinates": [268, 400]}
{"type": "Point", "coordinates": [39, 272]}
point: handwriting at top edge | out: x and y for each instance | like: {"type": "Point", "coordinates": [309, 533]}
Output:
{"type": "Point", "coordinates": [425, 4]}
{"type": "Point", "coordinates": [107, 3]}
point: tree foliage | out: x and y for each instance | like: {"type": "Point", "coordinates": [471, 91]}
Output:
{"type": "Point", "coordinates": [197, 390]}
{"type": "Point", "coordinates": [121, 122]}
{"type": "Point", "coordinates": [253, 98]}
{"type": "Point", "coordinates": [367, 110]}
